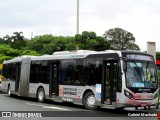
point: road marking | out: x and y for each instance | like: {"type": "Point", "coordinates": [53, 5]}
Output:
{"type": "Point", "coordinates": [58, 108]}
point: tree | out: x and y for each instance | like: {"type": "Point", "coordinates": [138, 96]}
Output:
{"type": "Point", "coordinates": [7, 39]}
{"type": "Point", "coordinates": [158, 55]}
{"type": "Point", "coordinates": [17, 36]}
{"type": "Point", "coordinates": [17, 40]}
{"type": "Point", "coordinates": [29, 52]}
{"type": "Point", "coordinates": [121, 39]}
{"type": "Point", "coordinates": [7, 52]}
{"type": "Point", "coordinates": [47, 44]}
{"type": "Point", "coordinates": [89, 40]}
{"type": "Point", "coordinates": [1, 41]}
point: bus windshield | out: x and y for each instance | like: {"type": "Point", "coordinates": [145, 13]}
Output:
{"type": "Point", "coordinates": [141, 74]}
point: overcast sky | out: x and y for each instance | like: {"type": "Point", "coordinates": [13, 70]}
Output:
{"type": "Point", "coordinates": [58, 17]}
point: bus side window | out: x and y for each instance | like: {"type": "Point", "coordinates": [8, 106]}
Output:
{"type": "Point", "coordinates": [79, 72]}
{"type": "Point", "coordinates": [34, 72]}
{"type": "Point", "coordinates": [94, 71]}
{"type": "Point", "coordinates": [13, 71]}
{"type": "Point", "coordinates": [67, 72]}
{"type": "Point", "coordinates": [44, 72]}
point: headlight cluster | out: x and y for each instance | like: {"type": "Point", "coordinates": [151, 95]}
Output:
{"type": "Point", "coordinates": [128, 94]}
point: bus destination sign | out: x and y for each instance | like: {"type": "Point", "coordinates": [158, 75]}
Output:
{"type": "Point", "coordinates": [139, 57]}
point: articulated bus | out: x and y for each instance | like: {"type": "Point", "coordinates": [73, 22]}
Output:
{"type": "Point", "coordinates": [108, 79]}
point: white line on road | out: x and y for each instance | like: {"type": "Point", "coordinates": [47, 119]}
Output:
{"type": "Point", "coordinates": [58, 108]}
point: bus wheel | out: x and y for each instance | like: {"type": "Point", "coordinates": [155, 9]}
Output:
{"type": "Point", "coordinates": [41, 95]}
{"type": "Point", "coordinates": [89, 101]}
{"type": "Point", "coordinates": [157, 106]}
{"type": "Point", "coordinates": [9, 91]}
{"type": "Point", "coordinates": [120, 108]}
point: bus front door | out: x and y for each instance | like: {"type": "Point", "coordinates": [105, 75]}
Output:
{"type": "Point", "coordinates": [110, 81]}
{"type": "Point", "coordinates": [54, 80]}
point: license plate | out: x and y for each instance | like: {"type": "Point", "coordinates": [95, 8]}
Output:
{"type": "Point", "coordinates": [144, 104]}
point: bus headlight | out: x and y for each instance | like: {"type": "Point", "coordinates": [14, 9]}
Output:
{"type": "Point", "coordinates": [128, 94]}
{"type": "Point", "coordinates": [155, 96]}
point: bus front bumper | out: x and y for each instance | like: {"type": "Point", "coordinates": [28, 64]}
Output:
{"type": "Point", "coordinates": [142, 103]}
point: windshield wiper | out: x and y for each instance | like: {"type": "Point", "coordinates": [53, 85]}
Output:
{"type": "Point", "coordinates": [136, 69]}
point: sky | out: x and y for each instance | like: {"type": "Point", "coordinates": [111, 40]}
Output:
{"type": "Point", "coordinates": [58, 17]}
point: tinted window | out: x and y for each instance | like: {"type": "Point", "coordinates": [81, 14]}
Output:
{"type": "Point", "coordinates": [34, 73]}
{"type": "Point", "coordinates": [44, 72]}
{"type": "Point", "coordinates": [79, 72]}
{"type": "Point", "coordinates": [10, 71]}
{"type": "Point", "coordinates": [94, 71]}
{"type": "Point", "coordinates": [67, 72]}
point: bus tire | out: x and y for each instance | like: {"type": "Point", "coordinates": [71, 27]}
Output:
{"type": "Point", "coordinates": [89, 101]}
{"type": "Point", "coordinates": [120, 108]}
{"type": "Point", "coordinates": [41, 95]}
{"type": "Point", "coordinates": [9, 91]}
{"type": "Point", "coordinates": [157, 106]}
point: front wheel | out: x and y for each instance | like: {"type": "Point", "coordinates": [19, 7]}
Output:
{"type": "Point", "coordinates": [41, 95]}
{"type": "Point", "coordinates": [89, 101]}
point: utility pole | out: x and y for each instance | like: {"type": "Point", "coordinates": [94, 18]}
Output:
{"type": "Point", "coordinates": [77, 16]}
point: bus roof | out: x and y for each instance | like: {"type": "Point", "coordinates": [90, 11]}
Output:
{"type": "Point", "coordinates": [135, 52]}
{"type": "Point", "coordinates": [70, 55]}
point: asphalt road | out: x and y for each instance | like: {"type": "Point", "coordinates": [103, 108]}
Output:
{"type": "Point", "coordinates": [26, 107]}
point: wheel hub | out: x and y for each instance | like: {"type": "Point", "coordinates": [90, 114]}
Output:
{"type": "Point", "coordinates": [91, 101]}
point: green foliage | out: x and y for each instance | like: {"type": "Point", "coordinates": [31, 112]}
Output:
{"type": "Point", "coordinates": [158, 55]}
{"type": "Point", "coordinates": [47, 44]}
{"type": "Point", "coordinates": [17, 36]}
{"type": "Point", "coordinates": [1, 41]}
{"type": "Point", "coordinates": [159, 75]}
{"type": "Point", "coordinates": [121, 39]}
{"type": "Point", "coordinates": [16, 41]}
{"type": "Point", "coordinates": [89, 40]}
{"type": "Point", "coordinates": [29, 52]}
{"type": "Point", "coordinates": [7, 39]}
{"type": "Point", "coordinates": [7, 52]}
{"type": "Point", "coordinates": [17, 44]}
{"type": "Point", "coordinates": [3, 57]}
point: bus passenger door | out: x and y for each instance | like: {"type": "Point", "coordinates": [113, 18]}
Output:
{"type": "Point", "coordinates": [110, 72]}
{"type": "Point", "coordinates": [18, 71]}
{"type": "Point", "coordinates": [54, 80]}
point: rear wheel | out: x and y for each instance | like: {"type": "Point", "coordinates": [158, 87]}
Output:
{"type": "Point", "coordinates": [41, 95]}
{"type": "Point", "coordinates": [89, 101]}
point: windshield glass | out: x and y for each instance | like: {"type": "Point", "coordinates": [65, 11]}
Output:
{"type": "Point", "coordinates": [141, 74]}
